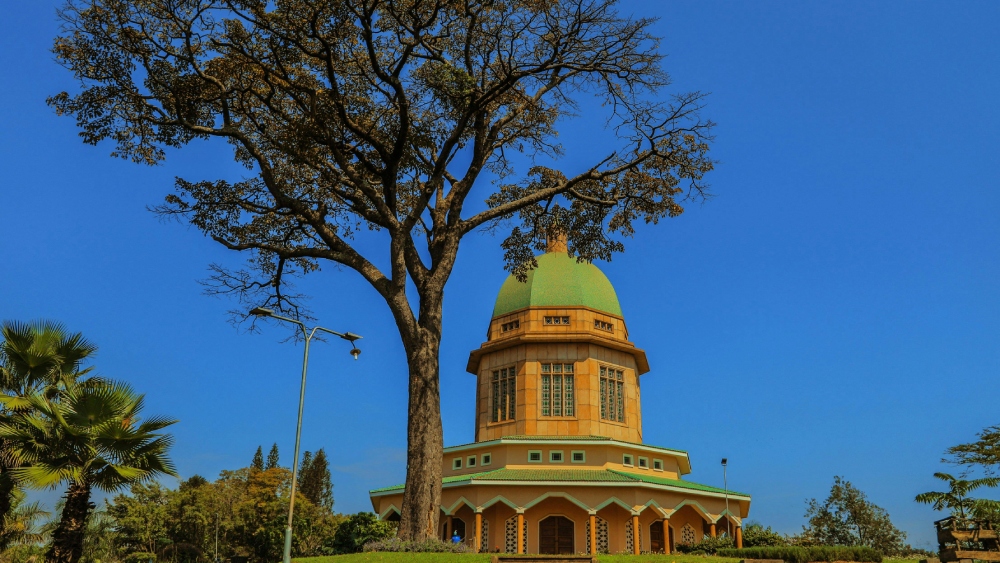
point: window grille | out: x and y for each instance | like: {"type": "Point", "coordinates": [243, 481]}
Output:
{"type": "Point", "coordinates": [612, 394]}
{"type": "Point", "coordinates": [504, 391]}
{"type": "Point", "coordinates": [558, 390]}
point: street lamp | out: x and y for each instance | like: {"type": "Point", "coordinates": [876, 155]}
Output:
{"type": "Point", "coordinates": [725, 482]}
{"type": "Point", "coordinates": [308, 335]}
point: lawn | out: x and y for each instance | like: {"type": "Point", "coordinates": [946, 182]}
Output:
{"type": "Point", "coordinates": [485, 558]}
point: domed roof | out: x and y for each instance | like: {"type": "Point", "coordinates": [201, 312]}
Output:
{"type": "Point", "coordinates": [559, 281]}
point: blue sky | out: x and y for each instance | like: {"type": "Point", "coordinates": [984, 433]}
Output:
{"type": "Point", "coordinates": [833, 310]}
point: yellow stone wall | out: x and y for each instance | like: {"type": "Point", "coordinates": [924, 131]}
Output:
{"type": "Point", "coordinates": [597, 455]}
{"type": "Point", "coordinates": [580, 343]}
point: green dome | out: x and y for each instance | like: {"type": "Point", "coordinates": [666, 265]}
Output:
{"type": "Point", "coordinates": [559, 281]}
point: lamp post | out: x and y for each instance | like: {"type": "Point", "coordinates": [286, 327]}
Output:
{"type": "Point", "coordinates": [725, 484]}
{"type": "Point", "coordinates": [308, 335]}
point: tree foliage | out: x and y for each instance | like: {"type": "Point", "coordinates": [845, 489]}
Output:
{"type": "Point", "coordinates": [272, 458]}
{"type": "Point", "coordinates": [379, 119]}
{"type": "Point", "coordinates": [756, 535]}
{"type": "Point", "coordinates": [983, 453]}
{"type": "Point", "coordinates": [258, 460]}
{"type": "Point", "coordinates": [315, 482]}
{"type": "Point", "coordinates": [848, 518]}
{"type": "Point", "coordinates": [247, 506]}
{"type": "Point", "coordinates": [957, 500]}
{"type": "Point", "coordinates": [360, 529]}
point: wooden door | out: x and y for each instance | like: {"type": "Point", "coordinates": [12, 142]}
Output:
{"type": "Point", "coordinates": [555, 536]}
{"type": "Point", "coordinates": [656, 536]}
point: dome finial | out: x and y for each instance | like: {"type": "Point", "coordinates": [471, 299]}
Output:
{"type": "Point", "coordinates": [556, 240]}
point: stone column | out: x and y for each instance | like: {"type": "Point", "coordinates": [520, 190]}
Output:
{"type": "Point", "coordinates": [635, 534]}
{"type": "Point", "coordinates": [479, 532]}
{"type": "Point", "coordinates": [666, 535]}
{"type": "Point", "coordinates": [520, 533]}
{"type": "Point", "coordinates": [593, 535]}
{"type": "Point", "coordinates": [711, 529]}
{"type": "Point", "coordinates": [739, 537]}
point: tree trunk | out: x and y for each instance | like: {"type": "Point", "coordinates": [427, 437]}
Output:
{"type": "Point", "coordinates": [67, 539]}
{"type": "Point", "coordinates": [424, 437]}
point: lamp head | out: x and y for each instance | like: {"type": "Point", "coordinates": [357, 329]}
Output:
{"type": "Point", "coordinates": [355, 352]}
{"type": "Point", "coordinates": [261, 312]}
{"type": "Point", "coordinates": [724, 462]}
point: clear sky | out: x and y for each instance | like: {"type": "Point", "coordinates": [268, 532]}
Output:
{"type": "Point", "coordinates": [832, 311]}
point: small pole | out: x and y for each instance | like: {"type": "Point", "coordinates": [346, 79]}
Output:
{"type": "Point", "coordinates": [725, 482]}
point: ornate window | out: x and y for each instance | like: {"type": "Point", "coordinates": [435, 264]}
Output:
{"type": "Point", "coordinates": [687, 535]}
{"type": "Point", "coordinates": [602, 535]}
{"type": "Point", "coordinates": [601, 325]}
{"type": "Point", "coordinates": [514, 324]}
{"type": "Point", "coordinates": [612, 394]}
{"type": "Point", "coordinates": [504, 391]}
{"type": "Point", "coordinates": [557, 320]}
{"type": "Point", "coordinates": [557, 390]}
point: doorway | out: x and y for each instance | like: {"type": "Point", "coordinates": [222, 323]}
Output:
{"type": "Point", "coordinates": [555, 536]}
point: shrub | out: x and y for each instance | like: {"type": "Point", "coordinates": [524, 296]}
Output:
{"type": "Point", "coordinates": [791, 554]}
{"type": "Point", "coordinates": [756, 535]}
{"type": "Point", "coordinates": [140, 557]}
{"type": "Point", "coordinates": [430, 545]}
{"type": "Point", "coordinates": [708, 546]}
{"type": "Point", "coordinates": [359, 530]}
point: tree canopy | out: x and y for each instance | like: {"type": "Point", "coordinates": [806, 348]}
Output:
{"type": "Point", "coordinates": [847, 517]}
{"type": "Point", "coordinates": [378, 120]}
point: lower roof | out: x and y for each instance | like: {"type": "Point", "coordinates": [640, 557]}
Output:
{"type": "Point", "coordinates": [610, 477]}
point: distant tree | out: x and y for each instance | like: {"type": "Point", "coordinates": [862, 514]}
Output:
{"type": "Point", "coordinates": [91, 437]}
{"type": "Point", "coordinates": [383, 120]}
{"type": "Point", "coordinates": [258, 460]}
{"type": "Point", "coordinates": [272, 458]}
{"type": "Point", "coordinates": [847, 517]}
{"type": "Point", "coordinates": [756, 535]}
{"type": "Point", "coordinates": [315, 482]}
{"type": "Point", "coordinates": [141, 517]}
{"type": "Point", "coordinates": [984, 452]}
{"type": "Point", "coordinates": [957, 499]}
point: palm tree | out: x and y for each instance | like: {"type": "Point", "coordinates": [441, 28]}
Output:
{"type": "Point", "coordinates": [20, 526]}
{"type": "Point", "coordinates": [957, 497]}
{"type": "Point", "coordinates": [37, 356]}
{"type": "Point", "coordinates": [41, 354]}
{"type": "Point", "coordinates": [91, 437]}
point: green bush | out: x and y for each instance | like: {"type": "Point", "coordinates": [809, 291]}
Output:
{"type": "Point", "coordinates": [791, 554]}
{"type": "Point", "coordinates": [756, 535]}
{"type": "Point", "coordinates": [359, 530]}
{"type": "Point", "coordinates": [431, 545]}
{"type": "Point", "coordinates": [708, 546]}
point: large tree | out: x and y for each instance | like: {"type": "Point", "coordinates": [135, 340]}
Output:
{"type": "Point", "coordinates": [379, 119]}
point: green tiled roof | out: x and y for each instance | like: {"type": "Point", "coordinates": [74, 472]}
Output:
{"type": "Point", "coordinates": [559, 281]}
{"type": "Point", "coordinates": [572, 475]}
{"type": "Point", "coordinates": [676, 483]}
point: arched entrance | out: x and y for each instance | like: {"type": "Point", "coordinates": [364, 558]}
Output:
{"type": "Point", "coordinates": [555, 536]}
{"type": "Point", "coordinates": [656, 536]}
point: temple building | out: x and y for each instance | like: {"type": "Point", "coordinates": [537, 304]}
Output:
{"type": "Point", "coordinates": [559, 465]}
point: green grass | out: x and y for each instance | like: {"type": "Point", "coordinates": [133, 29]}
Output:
{"type": "Point", "coordinates": [485, 558]}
